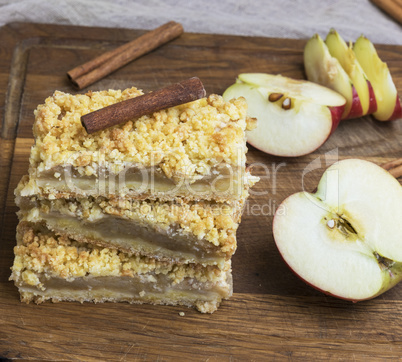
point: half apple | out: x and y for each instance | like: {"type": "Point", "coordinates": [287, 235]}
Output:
{"type": "Point", "coordinates": [346, 239]}
{"type": "Point", "coordinates": [388, 103]}
{"type": "Point", "coordinates": [295, 117]}
{"type": "Point", "coordinates": [322, 68]}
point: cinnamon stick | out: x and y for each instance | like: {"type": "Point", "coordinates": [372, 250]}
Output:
{"type": "Point", "coordinates": [392, 7]}
{"type": "Point", "coordinates": [396, 172]}
{"type": "Point", "coordinates": [99, 67]}
{"type": "Point", "coordinates": [394, 167]}
{"type": "Point", "coordinates": [173, 95]}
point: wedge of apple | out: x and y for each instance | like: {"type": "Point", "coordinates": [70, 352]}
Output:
{"type": "Point", "coordinates": [345, 55]}
{"type": "Point", "coordinates": [346, 239]}
{"type": "Point", "coordinates": [295, 117]}
{"type": "Point", "coordinates": [388, 103]}
{"type": "Point", "coordinates": [324, 69]}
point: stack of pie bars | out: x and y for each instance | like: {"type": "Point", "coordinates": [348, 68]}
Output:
{"type": "Point", "coordinates": [143, 212]}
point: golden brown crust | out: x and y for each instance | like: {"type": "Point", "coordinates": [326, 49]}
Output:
{"type": "Point", "coordinates": [39, 251]}
{"type": "Point", "coordinates": [183, 141]}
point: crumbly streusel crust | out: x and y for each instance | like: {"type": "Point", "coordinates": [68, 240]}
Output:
{"type": "Point", "coordinates": [39, 251]}
{"type": "Point", "coordinates": [183, 142]}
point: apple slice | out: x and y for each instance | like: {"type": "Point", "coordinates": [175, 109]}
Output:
{"type": "Point", "coordinates": [295, 117]}
{"type": "Point", "coordinates": [346, 239]}
{"type": "Point", "coordinates": [340, 50]}
{"type": "Point", "coordinates": [388, 103]}
{"type": "Point", "coordinates": [324, 69]}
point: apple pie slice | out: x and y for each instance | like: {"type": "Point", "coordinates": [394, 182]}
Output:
{"type": "Point", "coordinates": [195, 151]}
{"type": "Point", "coordinates": [57, 268]}
{"type": "Point", "coordinates": [143, 212]}
{"type": "Point", "coordinates": [194, 232]}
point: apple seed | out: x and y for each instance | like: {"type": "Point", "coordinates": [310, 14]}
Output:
{"type": "Point", "coordinates": [273, 97]}
{"type": "Point", "coordinates": [287, 103]}
{"type": "Point", "coordinates": [331, 223]}
{"type": "Point", "coordinates": [345, 227]}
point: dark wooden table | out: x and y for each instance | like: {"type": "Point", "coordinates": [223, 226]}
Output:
{"type": "Point", "coordinates": [272, 314]}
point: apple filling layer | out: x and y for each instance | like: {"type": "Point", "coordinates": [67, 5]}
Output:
{"type": "Point", "coordinates": [203, 232]}
{"type": "Point", "coordinates": [51, 267]}
{"type": "Point", "coordinates": [222, 184]}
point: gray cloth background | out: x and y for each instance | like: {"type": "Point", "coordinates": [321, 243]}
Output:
{"type": "Point", "coordinates": [279, 18]}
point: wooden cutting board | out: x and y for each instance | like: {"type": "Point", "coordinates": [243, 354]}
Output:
{"type": "Point", "coordinates": [272, 314]}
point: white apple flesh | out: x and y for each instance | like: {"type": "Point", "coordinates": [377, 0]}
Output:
{"type": "Point", "coordinates": [388, 103]}
{"type": "Point", "coordinates": [346, 239]}
{"type": "Point", "coordinates": [347, 58]}
{"type": "Point", "coordinates": [324, 69]}
{"type": "Point", "coordinates": [295, 117]}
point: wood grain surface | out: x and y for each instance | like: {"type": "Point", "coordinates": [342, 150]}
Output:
{"type": "Point", "coordinates": [272, 314]}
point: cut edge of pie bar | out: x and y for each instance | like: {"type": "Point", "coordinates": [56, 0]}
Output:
{"type": "Point", "coordinates": [194, 151]}
{"type": "Point", "coordinates": [57, 268]}
{"type": "Point", "coordinates": [196, 232]}
{"type": "Point", "coordinates": [142, 212]}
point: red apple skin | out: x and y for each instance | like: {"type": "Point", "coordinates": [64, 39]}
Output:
{"type": "Point", "coordinates": [356, 109]}
{"type": "Point", "coordinates": [336, 113]}
{"type": "Point", "coordinates": [372, 99]}
{"type": "Point", "coordinates": [397, 111]}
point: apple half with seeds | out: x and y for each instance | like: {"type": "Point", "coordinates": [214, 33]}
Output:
{"type": "Point", "coordinates": [345, 239]}
{"type": "Point", "coordinates": [347, 58]}
{"type": "Point", "coordinates": [322, 68]}
{"type": "Point", "coordinates": [388, 103]}
{"type": "Point", "coordinates": [295, 117]}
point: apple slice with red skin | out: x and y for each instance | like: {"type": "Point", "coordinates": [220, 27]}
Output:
{"type": "Point", "coordinates": [324, 69]}
{"type": "Point", "coordinates": [344, 54]}
{"type": "Point", "coordinates": [295, 117]}
{"type": "Point", "coordinates": [345, 239]}
{"type": "Point", "coordinates": [388, 103]}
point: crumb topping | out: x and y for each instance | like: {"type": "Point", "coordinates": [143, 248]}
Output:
{"type": "Point", "coordinates": [43, 252]}
{"type": "Point", "coordinates": [183, 141]}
